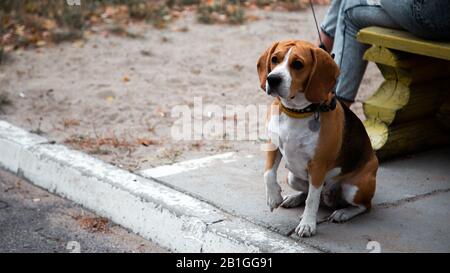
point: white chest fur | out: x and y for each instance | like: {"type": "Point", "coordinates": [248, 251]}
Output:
{"type": "Point", "coordinates": [295, 140]}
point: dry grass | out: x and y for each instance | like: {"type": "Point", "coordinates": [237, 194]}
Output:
{"type": "Point", "coordinates": [102, 145]}
{"type": "Point", "coordinates": [33, 23]}
{"type": "Point", "coordinates": [96, 145]}
{"type": "Point", "coordinates": [231, 12]}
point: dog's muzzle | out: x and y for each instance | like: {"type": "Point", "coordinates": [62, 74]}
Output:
{"type": "Point", "coordinates": [273, 82]}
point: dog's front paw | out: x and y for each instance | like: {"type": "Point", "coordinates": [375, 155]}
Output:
{"type": "Point", "coordinates": [274, 198]}
{"type": "Point", "coordinates": [306, 228]}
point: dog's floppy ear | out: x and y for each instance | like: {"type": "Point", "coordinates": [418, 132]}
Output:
{"type": "Point", "coordinates": [263, 65]}
{"type": "Point", "coordinates": [322, 78]}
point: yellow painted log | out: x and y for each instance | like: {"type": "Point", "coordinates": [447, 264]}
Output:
{"type": "Point", "coordinates": [387, 100]}
{"type": "Point", "coordinates": [422, 100]}
{"type": "Point", "coordinates": [405, 113]}
{"type": "Point", "coordinates": [405, 67]}
{"type": "Point", "coordinates": [389, 57]}
{"type": "Point", "coordinates": [385, 115]}
{"type": "Point", "coordinates": [414, 136]}
{"type": "Point", "coordinates": [405, 138]}
{"type": "Point", "coordinates": [404, 41]}
{"type": "Point", "coordinates": [378, 132]}
{"type": "Point", "coordinates": [395, 74]}
{"type": "Point", "coordinates": [425, 100]}
{"type": "Point", "coordinates": [391, 95]}
{"type": "Point", "coordinates": [423, 72]}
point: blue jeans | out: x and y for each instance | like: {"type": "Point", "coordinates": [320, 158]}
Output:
{"type": "Point", "coordinates": [343, 21]}
{"type": "Point", "coordinates": [428, 19]}
{"type": "Point", "coordinates": [423, 18]}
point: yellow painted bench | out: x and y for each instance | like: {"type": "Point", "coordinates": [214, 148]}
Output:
{"type": "Point", "coordinates": [410, 110]}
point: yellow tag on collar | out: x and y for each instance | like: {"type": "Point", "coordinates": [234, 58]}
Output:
{"type": "Point", "coordinates": [294, 114]}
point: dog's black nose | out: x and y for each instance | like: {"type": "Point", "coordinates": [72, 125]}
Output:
{"type": "Point", "coordinates": [274, 81]}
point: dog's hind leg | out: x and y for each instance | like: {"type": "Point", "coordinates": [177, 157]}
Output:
{"type": "Point", "coordinates": [358, 192]}
{"type": "Point", "coordinates": [348, 194]}
{"type": "Point", "coordinates": [296, 199]}
{"type": "Point", "coordinates": [345, 214]}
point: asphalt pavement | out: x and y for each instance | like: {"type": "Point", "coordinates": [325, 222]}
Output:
{"type": "Point", "coordinates": [34, 220]}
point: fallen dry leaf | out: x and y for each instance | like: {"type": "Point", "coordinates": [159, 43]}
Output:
{"type": "Point", "coordinates": [93, 224]}
{"type": "Point", "coordinates": [71, 122]}
{"type": "Point", "coordinates": [147, 142]}
{"type": "Point", "coordinates": [180, 29]}
{"type": "Point", "coordinates": [197, 145]}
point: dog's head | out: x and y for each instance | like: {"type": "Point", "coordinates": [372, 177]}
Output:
{"type": "Point", "coordinates": [295, 70]}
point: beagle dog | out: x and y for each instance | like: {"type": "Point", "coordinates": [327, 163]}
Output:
{"type": "Point", "coordinates": [326, 147]}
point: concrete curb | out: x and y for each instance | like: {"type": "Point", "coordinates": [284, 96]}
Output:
{"type": "Point", "coordinates": [170, 218]}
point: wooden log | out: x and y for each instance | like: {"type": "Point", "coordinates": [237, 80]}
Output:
{"type": "Point", "coordinates": [387, 100]}
{"type": "Point", "coordinates": [407, 114]}
{"type": "Point", "coordinates": [407, 68]}
{"type": "Point", "coordinates": [389, 57]}
{"type": "Point", "coordinates": [395, 74]}
{"type": "Point", "coordinates": [405, 138]}
{"type": "Point", "coordinates": [378, 132]}
{"type": "Point", "coordinates": [395, 102]}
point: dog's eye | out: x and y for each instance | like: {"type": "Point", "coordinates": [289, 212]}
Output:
{"type": "Point", "coordinates": [297, 65]}
{"type": "Point", "coordinates": [274, 59]}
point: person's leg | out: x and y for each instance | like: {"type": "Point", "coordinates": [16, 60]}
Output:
{"type": "Point", "coordinates": [354, 15]}
{"type": "Point", "coordinates": [426, 19]}
{"type": "Point", "coordinates": [328, 25]}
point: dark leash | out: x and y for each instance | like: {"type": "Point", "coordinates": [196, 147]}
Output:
{"type": "Point", "coordinates": [321, 45]}
{"type": "Point", "coordinates": [321, 107]}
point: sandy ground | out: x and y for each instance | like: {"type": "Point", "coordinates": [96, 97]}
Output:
{"type": "Point", "coordinates": [112, 96]}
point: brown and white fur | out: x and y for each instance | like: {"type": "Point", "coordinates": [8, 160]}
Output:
{"type": "Point", "coordinates": [334, 166]}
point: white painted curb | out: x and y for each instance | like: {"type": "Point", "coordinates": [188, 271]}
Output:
{"type": "Point", "coordinates": [170, 218]}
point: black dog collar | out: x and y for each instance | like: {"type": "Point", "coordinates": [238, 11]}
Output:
{"type": "Point", "coordinates": [310, 109]}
